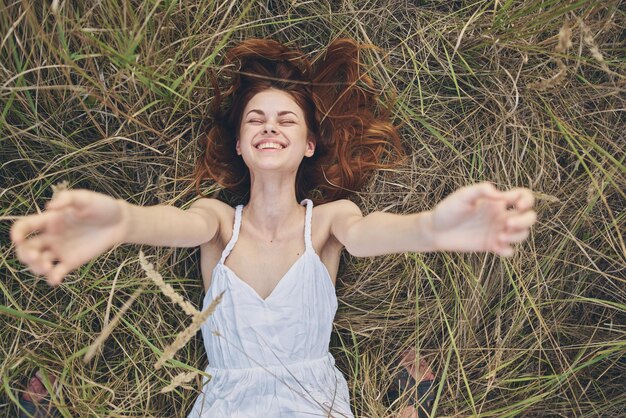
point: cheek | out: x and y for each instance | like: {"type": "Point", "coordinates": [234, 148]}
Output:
{"type": "Point", "coordinates": [300, 132]}
{"type": "Point", "coordinates": [245, 133]}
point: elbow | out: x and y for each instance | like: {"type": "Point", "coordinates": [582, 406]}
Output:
{"type": "Point", "coordinates": [352, 250]}
{"type": "Point", "coordinates": [356, 247]}
{"type": "Point", "coordinates": [357, 239]}
{"type": "Point", "coordinates": [357, 252]}
{"type": "Point", "coordinates": [361, 251]}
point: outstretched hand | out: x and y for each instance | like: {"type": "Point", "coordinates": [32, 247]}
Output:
{"type": "Point", "coordinates": [77, 226]}
{"type": "Point", "coordinates": [480, 218]}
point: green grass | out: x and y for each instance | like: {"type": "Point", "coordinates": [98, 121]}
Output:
{"type": "Point", "coordinates": [112, 96]}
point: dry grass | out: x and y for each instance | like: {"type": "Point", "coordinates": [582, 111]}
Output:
{"type": "Point", "coordinates": [111, 96]}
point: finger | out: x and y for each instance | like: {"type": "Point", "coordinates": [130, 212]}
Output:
{"type": "Point", "coordinates": [28, 252]}
{"type": "Point", "coordinates": [475, 191]}
{"type": "Point", "coordinates": [526, 200]}
{"type": "Point", "coordinates": [60, 200]}
{"type": "Point", "coordinates": [519, 198]}
{"type": "Point", "coordinates": [27, 225]}
{"type": "Point", "coordinates": [505, 251]}
{"type": "Point", "coordinates": [511, 238]}
{"type": "Point", "coordinates": [43, 264]}
{"type": "Point", "coordinates": [76, 198]}
{"type": "Point", "coordinates": [500, 247]}
{"type": "Point", "coordinates": [521, 222]}
{"type": "Point", "coordinates": [58, 273]}
{"type": "Point", "coordinates": [20, 254]}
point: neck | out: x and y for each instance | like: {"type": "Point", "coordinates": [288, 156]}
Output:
{"type": "Point", "coordinates": [273, 205]}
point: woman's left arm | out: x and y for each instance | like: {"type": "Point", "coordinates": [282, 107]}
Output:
{"type": "Point", "coordinates": [476, 218]}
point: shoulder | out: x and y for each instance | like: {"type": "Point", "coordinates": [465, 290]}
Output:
{"type": "Point", "coordinates": [211, 204]}
{"type": "Point", "coordinates": [339, 209]}
{"type": "Point", "coordinates": [339, 216]}
{"type": "Point", "coordinates": [213, 209]}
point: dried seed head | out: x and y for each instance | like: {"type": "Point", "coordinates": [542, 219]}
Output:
{"type": "Point", "coordinates": [593, 46]}
{"type": "Point", "coordinates": [186, 335]}
{"type": "Point", "coordinates": [167, 290]}
{"type": "Point", "coordinates": [565, 38]}
{"type": "Point", "coordinates": [179, 380]}
{"type": "Point", "coordinates": [565, 41]}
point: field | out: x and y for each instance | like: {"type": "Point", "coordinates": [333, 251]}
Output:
{"type": "Point", "coordinates": [112, 96]}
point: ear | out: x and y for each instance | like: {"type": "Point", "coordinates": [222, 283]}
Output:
{"type": "Point", "coordinates": [310, 148]}
{"type": "Point", "coordinates": [238, 147]}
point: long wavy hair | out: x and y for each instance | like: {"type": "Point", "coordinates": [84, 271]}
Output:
{"type": "Point", "coordinates": [353, 133]}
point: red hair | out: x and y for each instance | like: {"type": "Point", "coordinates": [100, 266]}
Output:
{"type": "Point", "coordinates": [354, 136]}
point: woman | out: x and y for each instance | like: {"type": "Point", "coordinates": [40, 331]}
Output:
{"type": "Point", "coordinates": [285, 130]}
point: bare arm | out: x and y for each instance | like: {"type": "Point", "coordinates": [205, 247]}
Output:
{"type": "Point", "coordinates": [381, 233]}
{"type": "Point", "coordinates": [79, 225]}
{"type": "Point", "coordinates": [476, 218]}
{"type": "Point", "coordinates": [170, 226]}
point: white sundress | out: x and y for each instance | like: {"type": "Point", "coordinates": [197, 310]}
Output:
{"type": "Point", "coordinates": [269, 357]}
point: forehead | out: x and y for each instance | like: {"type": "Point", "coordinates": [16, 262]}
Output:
{"type": "Point", "coordinates": [273, 100]}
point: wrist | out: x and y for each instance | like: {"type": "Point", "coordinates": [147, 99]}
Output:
{"type": "Point", "coordinates": [427, 233]}
{"type": "Point", "coordinates": [125, 221]}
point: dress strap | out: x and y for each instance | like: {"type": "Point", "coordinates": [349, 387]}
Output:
{"type": "Point", "coordinates": [233, 239]}
{"type": "Point", "coordinates": [307, 224]}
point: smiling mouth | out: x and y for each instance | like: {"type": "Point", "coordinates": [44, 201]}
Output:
{"type": "Point", "coordinates": [269, 145]}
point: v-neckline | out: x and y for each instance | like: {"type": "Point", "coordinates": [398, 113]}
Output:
{"type": "Point", "coordinates": [282, 279]}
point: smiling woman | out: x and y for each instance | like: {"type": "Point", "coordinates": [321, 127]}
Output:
{"type": "Point", "coordinates": [333, 99]}
{"type": "Point", "coordinates": [284, 135]}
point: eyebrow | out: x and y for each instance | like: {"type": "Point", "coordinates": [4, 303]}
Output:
{"type": "Point", "coordinates": [281, 113]}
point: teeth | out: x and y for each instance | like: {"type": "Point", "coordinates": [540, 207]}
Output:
{"type": "Point", "coordinates": [273, 145]}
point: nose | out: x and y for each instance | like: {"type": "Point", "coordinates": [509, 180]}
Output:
{"type": "Point", "coordinates": [269, 128]}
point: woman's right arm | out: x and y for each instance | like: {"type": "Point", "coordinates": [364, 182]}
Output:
{"type": "Point", "coordinates": [169, 226]}
{"type": "Point", "coordinates": [79, 225]}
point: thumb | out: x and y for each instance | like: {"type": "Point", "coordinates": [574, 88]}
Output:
{"type": "Point", "coordinates": [469, 194]}
{"type": "Point", "coordinates": [77, 198]}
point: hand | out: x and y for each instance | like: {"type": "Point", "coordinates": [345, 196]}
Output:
{"type": "Point", "coordinates": [77, 226]}
{"type": "Point", "coordinates": [480, 218]}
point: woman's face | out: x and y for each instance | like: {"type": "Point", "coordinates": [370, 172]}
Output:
{"type": "Point", "coordinates": [273, 134]}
